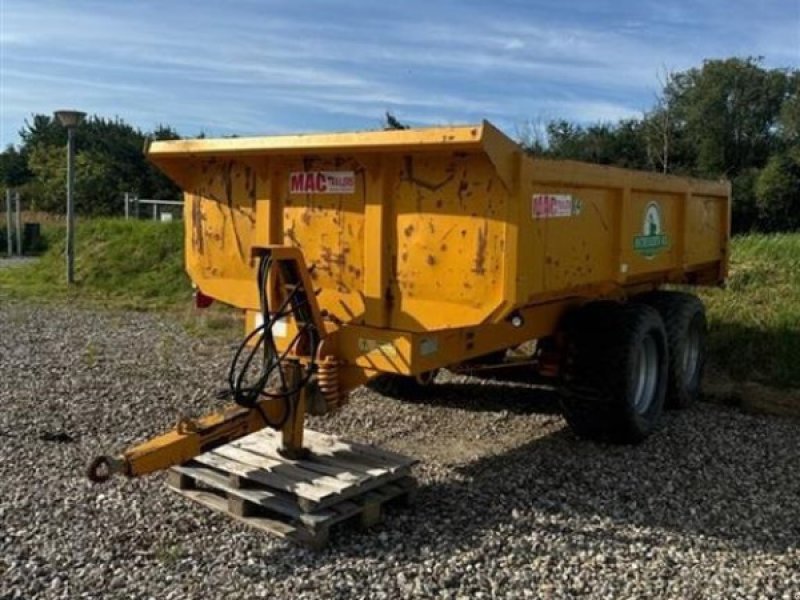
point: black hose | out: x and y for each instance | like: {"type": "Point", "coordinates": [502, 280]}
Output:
{"type": "Point", "coordinates": [272, 362]}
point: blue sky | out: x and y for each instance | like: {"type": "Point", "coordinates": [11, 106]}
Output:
{"type": "Point", "coordinates": [254, 67]}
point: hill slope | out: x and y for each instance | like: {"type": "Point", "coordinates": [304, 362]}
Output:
{"type": "Point", "coordinates": [126, 264]}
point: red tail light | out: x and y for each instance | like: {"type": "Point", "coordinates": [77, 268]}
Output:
{"type": "Point", "coordinates": [201, 300]}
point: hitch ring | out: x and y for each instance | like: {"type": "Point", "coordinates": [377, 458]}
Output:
{"type": "Point", "coordinates": [99, 470]}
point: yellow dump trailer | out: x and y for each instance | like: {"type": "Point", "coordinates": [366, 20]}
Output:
{"type": "Point", "coordinates": [391, 254]}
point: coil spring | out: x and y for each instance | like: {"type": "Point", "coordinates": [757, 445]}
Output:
{"type": "Point", "coordinates": [328, 380]}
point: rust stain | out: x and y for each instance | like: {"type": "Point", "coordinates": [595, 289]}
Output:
{"type": "Point", "coordinates": [291, 233]}
{"type": "Point", "coordinates": [330, 258]}
{"type": "Point", "coordinates": [408, 175]}
{"type": "Point", "coordinates": [599, 215]}
{"type": "Point", "coordinates": [447, 233]}
{"type": "Point", "coordinates": [236, 237]}
{"type": "Point", "coordinates": [480, 250]}
{"type": "Point", "coordinates": [463, 186]}
{"type": "Point", "coordinates": [250, 181]}
{"type": "Point", "coordinates": [198, 242]}
{"type": "Point", "coordinates": [227, 181]}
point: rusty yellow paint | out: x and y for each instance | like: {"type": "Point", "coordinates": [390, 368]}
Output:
{"type": "Point", "coordinates": [434, 234]}
{"type": "Point", "coordinates": [189, 439]}
{"type": "Point", "coordinates": [457, 138]}
{"type": "Point", "coordinates": [420, 244]}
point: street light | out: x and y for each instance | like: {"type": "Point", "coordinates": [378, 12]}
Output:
{"type": "Point", "coordinates": [70, 119]}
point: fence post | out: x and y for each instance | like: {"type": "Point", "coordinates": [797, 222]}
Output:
{"type": "Point", "coordinates": [155, 212]}
{"type": "Point", "coordinates": [10, 244]}
{"type": "Point", "coordinates": [19, 225]}
{"type": "Point", "coordinates": [126, 205]}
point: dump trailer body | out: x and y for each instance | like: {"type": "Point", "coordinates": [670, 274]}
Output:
{"type": "Point", "coordinates": [356, 254]}
{"type": "Point", "coordinates": [425, 244]}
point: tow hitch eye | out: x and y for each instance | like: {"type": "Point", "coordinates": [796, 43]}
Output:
{"type": "Point", "coordinates": [103, 467]}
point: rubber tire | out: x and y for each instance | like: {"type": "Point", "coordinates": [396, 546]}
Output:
{"type": "Point", "coordinates": [678, 310]}
{"type": "Point", "coordinates": [598, 387]}
{"type": "Point", "coordinates": [400, 387]}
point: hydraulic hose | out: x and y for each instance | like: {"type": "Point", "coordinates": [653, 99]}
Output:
{"type": "Point", "coordinates": [272, 362]}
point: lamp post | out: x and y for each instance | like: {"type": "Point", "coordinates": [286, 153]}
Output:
{"type": "Point", "coordinates": [70, 119]}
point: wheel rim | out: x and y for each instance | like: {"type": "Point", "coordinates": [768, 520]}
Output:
{"type": "Point", "coordinates": [691, 351]}
{"type": "Point", "coordinates": [646, 375]}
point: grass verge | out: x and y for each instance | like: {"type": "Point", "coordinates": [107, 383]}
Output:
{"type": "Point", "coordinates": [755, 321]}
{"type": "Point", "coordinates": [118, 264]}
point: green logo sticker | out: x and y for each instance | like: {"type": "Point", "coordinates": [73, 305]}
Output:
{"type": "Point", "coordinates": [653, 240]}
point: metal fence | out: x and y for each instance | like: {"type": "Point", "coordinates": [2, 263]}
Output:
{"type": "Point", "coordinates": [159, 210]}
{"type": "Point", "coordinates": [13, 206]}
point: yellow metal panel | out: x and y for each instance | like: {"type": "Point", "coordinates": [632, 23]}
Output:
{"type": "Point", "coordinates": [450, 226]}
{"type": "Point", "coordinates": [579, 249]}
{"type": "Point", "coordinates": [655, 224]}
{"type": "Point", "coordinates": [465, 137]}
{"type": "Point", "coordinates": [220, 214]}
{"type": "Point", "coordinates": [437, 230]}
{"type": "Point", "coordinates": [377, 241]}
{"type": "Point", "coordinates": [705, 220]}
{"type": "Point", "coordinates": [329, 229]}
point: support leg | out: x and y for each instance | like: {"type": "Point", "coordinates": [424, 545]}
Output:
{"type": "Point", "coordinates": [292, 432]}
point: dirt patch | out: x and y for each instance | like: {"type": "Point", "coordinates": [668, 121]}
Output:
{"type": "Point", "coordinates": [751, 396]}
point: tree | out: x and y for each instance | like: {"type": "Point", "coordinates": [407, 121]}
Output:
{"type": "Point", "coordinates": [778, 193]}
{"type": "Point", "coordinates": [789, 120]}
{"type": "Point", "coordinates": [744, 215]}
{"type": "Point", "coordinates": [621, 144]}
{"type": "Point", "coordinates": [532, 136]}
{"type": "Point", "coordinates": [46, 190]}
{"type": "Point", "coordinates": [728, 110]}
{"type": "Point", "coordinates": [659, 129]}
{"type": "Point", "coordinates": [109, 162]}
{"type": "Point", "coordinates": [42, 130]}
{"type": "Point", "coordinates": [14, 170]}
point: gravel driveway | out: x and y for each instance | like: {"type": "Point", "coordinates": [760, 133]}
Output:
{"type": "Point", "coordinates": [511, 505]}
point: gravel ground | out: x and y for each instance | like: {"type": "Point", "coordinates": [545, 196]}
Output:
{"type": "Point", "coordinates": [511, 505]}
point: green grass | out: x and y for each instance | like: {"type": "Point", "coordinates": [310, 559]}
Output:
{"type": "Point", "coordinates": [755, 321]}
{"type": "Point", "coordinates": [121, 264]}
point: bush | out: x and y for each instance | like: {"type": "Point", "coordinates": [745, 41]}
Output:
{"type": "Point", "coordinates": [744, 212]}
{"type": "Point", "coordinates": [778, 194]}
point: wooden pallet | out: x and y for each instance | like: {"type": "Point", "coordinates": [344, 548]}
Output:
{"type": "Point", "coordinates": [297, 499]}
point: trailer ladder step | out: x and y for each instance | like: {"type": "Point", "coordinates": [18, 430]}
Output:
{"type": "Point", "coordinates": [339, 482]}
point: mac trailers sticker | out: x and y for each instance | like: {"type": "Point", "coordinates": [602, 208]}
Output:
{"type": "Point", "coordinates": [322, 182]}
{"type": "Point", "coordinates": [553, 206]}
{"type": "Point", "coordinates": [653, 240]}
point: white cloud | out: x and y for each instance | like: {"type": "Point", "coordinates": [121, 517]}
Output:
{"type": "Point", "coordinates": [251, 67]}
